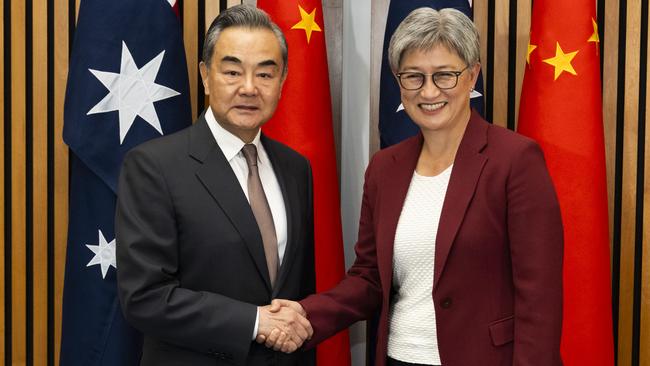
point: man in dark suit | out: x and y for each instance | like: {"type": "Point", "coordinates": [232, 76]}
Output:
{"type": "Point", "coordinates": [215, 221]}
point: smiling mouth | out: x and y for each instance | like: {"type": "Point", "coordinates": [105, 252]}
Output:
{"type": "Point", "coordinates": [247, 108]}
{"type": "Point", "coordinates": [430, 107]}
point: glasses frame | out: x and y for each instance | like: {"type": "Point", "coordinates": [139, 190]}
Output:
{"type": "Point", "coordinates": [433, 78]}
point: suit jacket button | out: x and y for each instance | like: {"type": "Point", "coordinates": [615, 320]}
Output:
{"type": "Point", "coordinates": [446, 303]}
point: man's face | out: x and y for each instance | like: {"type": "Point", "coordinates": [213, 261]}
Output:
{"type": "Point", "coordinates": [244, 79]}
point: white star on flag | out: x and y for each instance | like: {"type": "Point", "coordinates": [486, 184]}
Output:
{"type": "Point", "coordinates": [132, 92]}
{"type": "Point", "coordinates": [104, 254]}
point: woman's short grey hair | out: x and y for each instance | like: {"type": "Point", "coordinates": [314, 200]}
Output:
{"type": "Point", "coordinates": [243, 16]}
{"type": "Point", "coordinates": [425, 28]}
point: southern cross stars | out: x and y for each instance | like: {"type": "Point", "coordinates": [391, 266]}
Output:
{"type": "Point", "coordinates": [132, 92]}
{"type": "Point", "coordinates": [308, 23]}
{"type": "Point", "coordinates": [104, 254]}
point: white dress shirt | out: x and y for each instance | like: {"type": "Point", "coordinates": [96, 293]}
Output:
{"type": "Point", "coordinates": [231, 146]}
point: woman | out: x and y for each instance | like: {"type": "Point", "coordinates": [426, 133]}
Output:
{"type": "Point", "coordinates": [460, 238]}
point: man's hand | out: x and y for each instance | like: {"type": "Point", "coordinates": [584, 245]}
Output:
{"type": "Point", "coordinates": [278, 304]}
{"type": "Point", "coordinates": [283, 326]}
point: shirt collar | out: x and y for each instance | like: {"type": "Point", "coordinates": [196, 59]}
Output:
{"type": "Point", "coordinates": [230, 144]}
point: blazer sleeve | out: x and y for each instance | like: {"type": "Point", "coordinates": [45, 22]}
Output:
{"type": "Point", "coordinates": [148, 272]}
{"type": "Point", "coordinates": [358, 295]}
{"type": "Point", "coordinates": [536, 249]}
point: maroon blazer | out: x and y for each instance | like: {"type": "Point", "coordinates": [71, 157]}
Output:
{"type": "Point", "coordinates": [497, 288]}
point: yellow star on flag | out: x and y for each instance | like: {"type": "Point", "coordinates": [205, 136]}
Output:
{"type": "Point", "coordinates": [531, 48]}
{"type": "Point", "coordinates": [308, 23]}
{"type": "Point", "coordinates": [594, 37]}
{"type": "Point", "coordinates": [562, 61]}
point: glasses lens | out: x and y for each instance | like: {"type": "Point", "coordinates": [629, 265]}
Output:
{"type": "Point", "coordinates": [445, 80]}
{"type": "Point", "coordinates": [411, 80]}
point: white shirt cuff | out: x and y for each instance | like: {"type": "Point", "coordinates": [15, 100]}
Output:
{"type": "Point", "coordinates": [257, 323]}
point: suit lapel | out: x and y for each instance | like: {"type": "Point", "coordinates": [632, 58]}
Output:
{"type": "Point", "coordinates": [467, 169]}
{"type": "Point", "coordinates": [218, 178]}
{"type": "Point", "coordinates": [395, 184]}
{"type": "Point", "coordinates": [291, 204]}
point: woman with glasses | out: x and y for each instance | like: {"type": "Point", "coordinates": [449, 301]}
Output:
{"type": "Point", "coordinates": [460, 238]}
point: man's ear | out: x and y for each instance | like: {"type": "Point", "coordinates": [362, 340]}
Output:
{"type": "Point", "coordinates": [284, 78]}
{"type": "Point", "coordinates": [203, 68]}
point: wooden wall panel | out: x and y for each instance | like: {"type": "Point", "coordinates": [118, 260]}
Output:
{"type": "Point", "coordinates": [60, 161]}
{"type": "Point", "coordinates": [190, 29]}
{"type": "Point", "coordinates": [644, 339]}
{"type": "Point", "coordinates": [211, 12]}
{"type": "Point", "coordinates": [481, 21]}
{"type": "Point", "coordinates": [610, 93]}
{"type": "Point", "coordinates": [645, 282]}
{"type": "Point", "coordinates": [524, 8]}
{"type": "Point", "coordinates": [3, 280]}
{"type": "Point", "coordinates": [628, 227]}
{"type": "Point", "coordinates": [378, 24]}
{"type": "Point", "coordinates": [39, 173]}
{"type": "Point", "coordinates": [500, 64]}
{"type": "Point", "coordinates": [18, 199]}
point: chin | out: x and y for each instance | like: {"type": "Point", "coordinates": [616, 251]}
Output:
{"type": "Point", "coordinates": [432, 124]}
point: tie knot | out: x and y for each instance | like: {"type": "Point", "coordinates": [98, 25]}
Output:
{"type": "Point", "coordinates": [250, 153]}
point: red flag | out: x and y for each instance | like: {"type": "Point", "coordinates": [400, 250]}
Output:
{"type": "Point", "coordinates": [303, 121]}
{"type": "Point", "coordinates": [561, 108]}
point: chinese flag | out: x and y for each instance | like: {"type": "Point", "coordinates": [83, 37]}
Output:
{"type": "Point", "coordinates": [303, 121]}
{"type": "Point", "coordinates": [561, 109]}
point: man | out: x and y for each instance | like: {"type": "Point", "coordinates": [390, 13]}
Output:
{"type": "Point", "coordinates": [216, 220]}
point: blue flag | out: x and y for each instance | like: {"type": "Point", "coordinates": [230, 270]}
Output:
{"type": "Point", "coordinates": [127, 84]}
{"type": "Point", "coordinates": [394, 124]}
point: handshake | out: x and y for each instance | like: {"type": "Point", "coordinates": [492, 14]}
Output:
{"type": "Point", "coordinates": [283, 326]}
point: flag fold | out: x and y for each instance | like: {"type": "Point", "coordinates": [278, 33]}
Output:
{"type": "Point", "coordinates": [303, 121]}
{"type": "Point", "coordinates": [127, 83]}
{"type": "Point", "coordinates": [561, 109]}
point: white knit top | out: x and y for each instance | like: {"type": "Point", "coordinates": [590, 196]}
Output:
{"type": "Point", "coordinates": [412, 334]}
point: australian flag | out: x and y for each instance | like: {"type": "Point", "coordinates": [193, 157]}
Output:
{"type": "Point", "coordinates": [394, 124]}
{"type": "Point", "coordinates": [127, 84]}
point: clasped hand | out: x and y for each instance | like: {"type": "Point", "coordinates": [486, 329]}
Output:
{"type": "Point", "coordinates": [283, 326]}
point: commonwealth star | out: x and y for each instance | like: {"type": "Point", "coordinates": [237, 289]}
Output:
{"type": "Point", "coordinates": [132, 92]}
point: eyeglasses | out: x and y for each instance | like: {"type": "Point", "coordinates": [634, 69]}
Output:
{"type": "Point", "coordinates": [441, 79]}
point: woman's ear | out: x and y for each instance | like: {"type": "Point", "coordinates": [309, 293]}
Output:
{"type": "Point", "coordinates": [474, 71]}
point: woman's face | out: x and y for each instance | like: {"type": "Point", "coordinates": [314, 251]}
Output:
{"type": "Point", "coordinates": [430, 107]}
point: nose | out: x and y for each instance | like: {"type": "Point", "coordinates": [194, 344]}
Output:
{"type": "Point", "coordinates": [429, 89]}
{"type": "Point", "coordinates": [248, 86]}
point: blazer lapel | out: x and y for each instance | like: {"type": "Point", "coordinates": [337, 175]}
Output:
{"type": "Point", "coordinates": [222, 184]}
{"type": "Point", "coordinates": [291, 202]}
{"type": "Point", "coordinates": [395, 184]}
{"type": "Point", "coordinates": [468, 166]}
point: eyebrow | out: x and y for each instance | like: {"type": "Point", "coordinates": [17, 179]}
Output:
{"type": "Point", "coordinates": [231, 59]}
{"type": "Point", "coordinates": [408, 68]}
{"type": "Point", "coordinates": [267, 63]}
{"type": "Point", "coordinates": [235, 60]}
